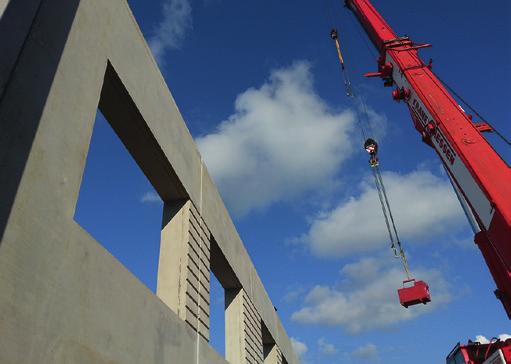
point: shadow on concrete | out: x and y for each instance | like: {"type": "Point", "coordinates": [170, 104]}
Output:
{"type": "Point", "coordinates": [32, 37]}
{"type": "Point", "coordinates": [16, 23]}
{"type": "Point", "coordinates": [122, 114]}
{"type": "Point", "coordinates": [222, 269]}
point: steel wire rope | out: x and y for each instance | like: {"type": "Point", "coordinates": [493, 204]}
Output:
{"type": "Point", "coordinates": [384, 192]}
{"type": "Point", "coordinates": [474, 110]}
{"type": "Point", "coordinates": [380, 187]}
{"type": "Point", "coordinates": [346, 75]}
{"type": "Point", "coordinates": [376, 182]}
{"type": "Point", "coordinates": [463, 101]}
{"type": "Point", "coordinates": [416, 56]}
{"type": "Point", "coordinates": [357, 26]}
{"type": "Point", "coordinates": [401, 251]}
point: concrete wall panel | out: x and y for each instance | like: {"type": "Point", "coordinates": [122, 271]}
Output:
{"type": "Point", "coordinates": [66, 299]}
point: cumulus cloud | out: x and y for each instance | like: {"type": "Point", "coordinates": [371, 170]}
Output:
{"type": "Point", "coordinates": [293, 293]}
{"type": "Point", "coordinates": [300, 348]}
{"type": "Point", "coordinates": [170, 32]}
{"type": "Point", "coordinates": [483, 340]}
{"type": "Point", "coordinates": [504, 337]}
{"type": "Point", "coordinates": [150, 197]}
{"type": "Point", "coordinates": [424, 206]}
{"type": "Point", "coordinates": [366, 297]}
{"type": "Point", "coordinates": [326, 348]}
{"type": "Point", "coordinates": [368, 352]}
{"type": "Point", "coordinates": [281, 141]}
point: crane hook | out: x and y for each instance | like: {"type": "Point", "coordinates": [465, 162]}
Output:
{"type": "Point", "coordinates": [371, 147]}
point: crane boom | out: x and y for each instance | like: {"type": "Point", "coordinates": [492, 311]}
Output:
{"type": "Point", "coordinates": [480, 176]}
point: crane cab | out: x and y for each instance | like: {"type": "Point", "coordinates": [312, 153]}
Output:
{"type": "Point", "coordinates": [413, 293]}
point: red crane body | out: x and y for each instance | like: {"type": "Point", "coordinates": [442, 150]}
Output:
{"type": "Point", "coordinates": [481, 178]}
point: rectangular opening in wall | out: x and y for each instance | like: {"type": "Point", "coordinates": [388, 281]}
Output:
{"type": "Point", "coordinates": [217, 315]}
{"type": "Point", "coordinates": [271, 353]}
{"type": "Point", "coordinates": [223, 283]}
{"type": "Point", "coordinates": [126, 165]}
{"type": "Point", "coordinates": [268, 343]}
{"type": "Point", "coordinates": [118, 205]}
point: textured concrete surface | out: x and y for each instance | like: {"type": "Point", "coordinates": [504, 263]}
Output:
{"type": "Point", "coordinates": [273, 356]}
{"type": "Point", "coordinates": [243, 331]}
{"type": "Point", "coordinates": [64, 298]}
{"type": "Point", "coordinates": [3, 5]}
{"type": "Point", "coordinates": [184, 265]}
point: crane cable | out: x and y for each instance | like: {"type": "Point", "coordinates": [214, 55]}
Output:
{"type": "Point", "coordinates": [395, 243]}
{"type": "Point", "coordinates": [498, 133]}
{"type": "Point", "coordinates": [347, 83]}
{"type": "Point", "coordinates": [464, 102]}
{"type": "Point", "coordinates": [381, 186]}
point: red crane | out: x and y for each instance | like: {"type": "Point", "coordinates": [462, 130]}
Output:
{"type": "Point", "coordinates": [481, 178]}
{"type": "Point", "coordinates": [496, 351]}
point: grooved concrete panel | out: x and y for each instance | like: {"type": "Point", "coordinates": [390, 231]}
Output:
{"type": "Point", "coordinates": [243, 329]}
{"type": "Point", "coordinates": [274, 356]}
{"type": "Point", "coordinates": [64, 298]}
{"type": "Point", "coordinates": [252, 333]}
{"type": "Point", "coordinates": [184, 265]}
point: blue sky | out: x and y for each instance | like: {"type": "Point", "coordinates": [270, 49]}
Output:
{"type": "Point", "coordinates": [260, 88]}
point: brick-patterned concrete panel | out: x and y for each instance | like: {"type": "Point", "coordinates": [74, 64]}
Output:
{"type": "Point", "coordinates": [243, 330]}
{"type": "Point", "coordinates": [273, 355]}
{"type": "Point", "coordinates": [197, 313]}
{"type": "Point", "coordinates": [184, 269]}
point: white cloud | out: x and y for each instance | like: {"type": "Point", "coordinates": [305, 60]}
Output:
{"type": "Point", "coordinates": [300, 348]}
{"type": "Point", "coordinates": [326, 348]}
{"type": "Point", "coordinates": [150, 197]}
{"type": "Point", "coordinates": [368, 352]}
{"type": "Point", "coordinates": [366, 299]}
{"type": "Point", "coordinates": [424, 206]}
{"type": "Point", "coordinates": [293, 293]}
{"type": "Point", "coordinates": [483, 340]}
{"type": "Point", "coordinates": [170, 32]}
{"type": "Point", "coordinates": [504, 337]}
{"type": "Point", "coordinates": [282, 141]}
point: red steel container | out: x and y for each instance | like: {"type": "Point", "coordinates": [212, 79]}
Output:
{"type": "Point", "coordinates": [417, 293]}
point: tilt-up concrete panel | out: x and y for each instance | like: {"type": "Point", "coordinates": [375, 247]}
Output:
{"type": "Point", "coordinates": [184, 265]}
{"type": "Point", "coordinates": [64, 298]}
{"type": "Point", "coordinates": [243, 330]}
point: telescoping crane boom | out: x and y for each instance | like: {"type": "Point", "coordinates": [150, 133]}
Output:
{"type": "Point", "coordinates": [481, 178]}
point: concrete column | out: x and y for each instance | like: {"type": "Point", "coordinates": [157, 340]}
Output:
{"type": "Point", "coordinates": [272, 354]}
{"type": "Point", "coordinates": [243, 333]}
{"type": "Point", "coordinates": [184, 266]}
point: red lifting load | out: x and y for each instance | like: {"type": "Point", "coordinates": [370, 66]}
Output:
{"type": "Point", "coordinates": [414, 294]}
